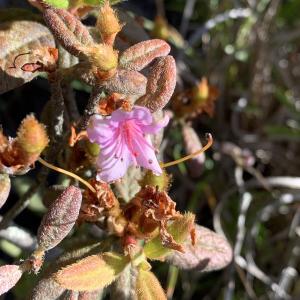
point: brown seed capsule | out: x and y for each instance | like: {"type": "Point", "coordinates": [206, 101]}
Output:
{"type": "Point", "coordinates": [60, 218]}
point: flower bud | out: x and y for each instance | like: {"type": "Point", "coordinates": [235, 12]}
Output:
{"type": "Point", "coordinates": [32, 137]}
{"type": "Point", "coordinates": [108, 24]}
{"type": "Point", "coordinates": [103, 57]}
{"type": "Point", "coordinates": [161, 181]}
{"type": "Point", "coordinates": [201, 91]}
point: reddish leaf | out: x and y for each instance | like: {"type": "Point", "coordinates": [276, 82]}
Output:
{"type": "Point", "coordinates": [140, 55]}
{"type": "Point", "coordinates": [14, 41]}
{"type": "Point", "coordinates": [161, 84]}
{"type": "Point", "coordinates": [68, 30]}
{"type": "Point", "coordinates": [60, 218]}
{"type": "Point", "coordinates": [211, 252]}
{"type": "Point", "coordinates": [126, 82]}
{"type": "Point", "coordinates": [9, 276]}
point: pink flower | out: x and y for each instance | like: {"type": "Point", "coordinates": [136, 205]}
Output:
{"type": "Point", "coordinates": [124, 141]}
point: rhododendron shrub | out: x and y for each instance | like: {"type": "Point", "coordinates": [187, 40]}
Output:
{"type": "Point", "coordinates": [113, 214]}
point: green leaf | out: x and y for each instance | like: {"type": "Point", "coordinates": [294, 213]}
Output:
{"type": "Point", "coordinates": [148, 287]}
{"type": "Point", "coordinates": [92, 273]}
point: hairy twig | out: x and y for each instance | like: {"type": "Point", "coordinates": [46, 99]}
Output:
{"type": "Point", "coordinates": [91, 107]}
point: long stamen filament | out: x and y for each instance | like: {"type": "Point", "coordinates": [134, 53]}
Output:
{"type": "Point", "coordinates": [180, 160]}
{"type": "Point", "coordinates": [60, 170]}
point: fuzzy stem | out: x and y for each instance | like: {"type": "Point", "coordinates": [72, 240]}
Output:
{"type": "Point", "coordinates": [60, 170]}
{"type": "Point", "coordinates": [178, 161]}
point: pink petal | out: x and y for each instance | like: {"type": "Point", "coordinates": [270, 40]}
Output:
{"type": "Point", "coordinates": [116, 169]}
{"type": "Point", "coordinates": [146, 154]}
{"type": "Point", "coordinates": [137, 113]}
{"type": "Point", "coordinates": [156, 127]}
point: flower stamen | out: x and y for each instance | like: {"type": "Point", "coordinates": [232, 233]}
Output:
{"type": "Point", "coordinates": [192, 155]}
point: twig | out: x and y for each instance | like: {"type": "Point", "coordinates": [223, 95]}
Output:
{"type": "Point", "coordinates": [187, 14]}
{"type": "Point", "coordinates": [91, 107]}
{"type": "Point", "coordinates": [246, 200]}
{"type": "Point", "coordinates": [19, 206]}
{"type": "Point", "coordinates": [19, 236]}
{"type": "Point", "coordinates": [235, 13]}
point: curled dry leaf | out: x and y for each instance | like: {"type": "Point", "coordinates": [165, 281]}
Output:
{"type": "Point", "coordinates": [9, 276]}
{"type": "Point", "coordinates": [14, 41]}
{"type": "Point", "coordinates": [4, 188]}
{"type": "Point", "coordinates": [92, 273]}
{"type": "Point", "coordinates": [161, 84]}
{"type": "Point", "coordinates": [179, 230]}
{"type": "Point", "coordinates": [148, 287]}
{"type": "Point", "coordinates": [60, 218]}
{"type": "Point", "coordinates": [211, 252]}
{"type": "Point", "coordinates": [68, 30]}
{"type": "Point", "coordinates": [140, 55]}
{"type": "Point", "coordinates": [126, 82]}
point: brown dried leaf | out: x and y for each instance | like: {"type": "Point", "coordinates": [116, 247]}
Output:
{"type": "Point", "coordinates": [91, 273]}
{"type": "Point", "coordinates": [9, 276]}
{"type": "Point", "coordinates": [60, 218]}
{"type": "Point", "coordinates": [148, 287]}
{"type": "Point", "coordinates": [161, 84]}
{"type": "Point", "coordinates": [140, 55]}
{"type": "Point", "coordinates": [126, 82]}
{"type": "Point", "coordinates": [68, 30]}
{"type": "Point", "coordinates": [211, 252]}
{"type": "Point", "coordinates": [15, 40]}
{"type": "Point", "coordinates": [4, 188]}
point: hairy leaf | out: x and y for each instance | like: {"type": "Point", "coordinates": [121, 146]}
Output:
{"type": "Point", "coordinates": [179, 229]}
{"type": "Point", "coordinates": [60, 218]}
{"type": "Point", "coordinates": [68, 30]}
{"type": "Point", "coordinates": [211, 252]}
{"type": "Point", "coordinates": [126, 82]}
{"type": "Point", "coordinates": [148, 287]}
{"type": "Point", "coordinates": [70, 3]}
{"type": "Point", "coordinates": [161, 84]}
{"type": "Point", "coordinates": [91, 273]}
{"type": "Point", "coordinates": [14, 41]}
{"type": "Point", "coordinates": [9, 276]}
{"type": "Point", "coordinates": [47, 289]}
{"type": "Point", "coordinates": [4, 188]}
{"type": "Point", "coordinates": [140, 55]}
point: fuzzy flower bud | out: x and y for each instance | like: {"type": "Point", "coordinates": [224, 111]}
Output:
{"type": "Point", "coordinates": [103, 57]}
{"type": "Point", "coordinates": [32, 137]}
{"type": "Point", "coordinates": [108, 24]}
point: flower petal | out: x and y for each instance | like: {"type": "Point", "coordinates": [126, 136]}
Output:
{"type": "Point", "coordinates": [146, 154]}
{"type": "Point", "coordinates": [156, 127]}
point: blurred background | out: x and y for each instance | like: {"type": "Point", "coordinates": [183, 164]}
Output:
{"type": "Point", "coordinates": [238, 67]}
